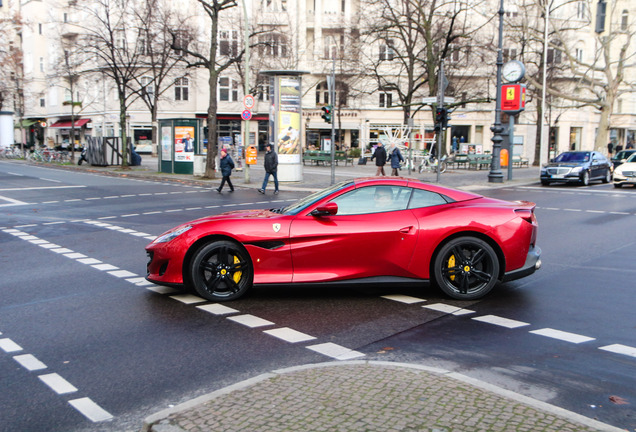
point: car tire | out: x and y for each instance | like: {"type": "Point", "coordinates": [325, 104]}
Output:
{"type": "Point", "coordinates": [221, 271]}
{"type": "Point", "coordinates": [608, 177]}
{"type": "Point", "coordinates": [585, 178]}
{"type": "Point", "coordinates": [618, 185]}
{"type": "Point", "coordinates": [545, 183]}
{"type": "Point", "coordinates": [466, 268]}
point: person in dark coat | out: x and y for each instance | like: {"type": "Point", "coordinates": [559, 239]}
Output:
{"type": "Point", "coordinates": [380, 158]}
{"type": "Point", "coordinates": [271, 168]}
{"type": "Point", "coordinates": [227, 164]}
{"type": "Point", "coordinates": [395, 156]}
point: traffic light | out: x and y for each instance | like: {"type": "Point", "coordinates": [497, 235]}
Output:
{"type": "Point", "coordinates": [441, 118]}
{"type": "Point", "coordinates": [326, 113]}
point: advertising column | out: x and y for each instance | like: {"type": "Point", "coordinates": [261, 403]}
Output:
{"type": "Point", "coordinates": [284, 123]}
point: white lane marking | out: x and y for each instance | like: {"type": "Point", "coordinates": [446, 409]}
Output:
{"type": "Point", "coordinates": [11, 201]}
{"type": "Point", "coordinates": [503, 322]}
{"type": "Point", "coordinates": [29, 362]}
{"type": "Point", "coordinates": [188, 298]}
{"type": "Point", "coordinates": [403, 298]}
{"type": "Point", "coordinates": [620, 349]}
{"type": "Point", "coordinates": [38, 241]}
{"type": "Point", "coordinates": [8, 345]}
{"type": "Point", "coordinates": [289, 335]}
{"type": "Point", "coordinates": [42, 187]}
{"type": "Point", "coordinates": [62, 250]}
{"type": "Point", "coordinates": [217, 309]}
{"type": "Point", "coordinates": [561, 335]}
{"type": "Point", "coordinates": [122, 273]}
{"type": "Point", "coordinates": [450, 309]}
{"type": "Point", "coordinates": [89, 261]}
{"type": "Point", "coordinates": [49, 245]}
{"type": "Point", "coordinates": [159, 289]}
{"type": "Point", "coordinates": [250, 320]}
{"type": "Point", "coordinates": [75, 255]}
{"type": "Point", "coordinates": [54, 223]}
{"type": "Point", "coordinates": [58, 384]}
{"type": "Point", "coordinates": [104, 267]}
{"type": "Point", "coordinates": [90, 409]}
{"type": "Point", "coordinates": [335, 351]}
{"type": "Point", "coordinates": [51, 180]}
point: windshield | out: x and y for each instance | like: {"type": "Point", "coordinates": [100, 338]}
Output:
{"type": "Point", "coordinates": [303, 203]}
{"type": "Point", "coordinates": [632, 158]}
{"type": "Point", "coordinates": [573, 157]}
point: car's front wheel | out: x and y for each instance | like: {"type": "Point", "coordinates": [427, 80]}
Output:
{"type": "Point", "coordinates": [585, 178]}
{"type": "Point", "coordinates": [466, 268]}
{"type": "Point", "coordinates": [221, 271]}
{"type": "Point", "coordinates": [608, 177]}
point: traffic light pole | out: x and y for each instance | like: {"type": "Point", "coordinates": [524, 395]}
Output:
{"type": "Point", "coordinates": [495, 175]}
{"type": "Point", "coordinates": [332, 99]}
{"type": "Point", "coordinates": [440, 86]}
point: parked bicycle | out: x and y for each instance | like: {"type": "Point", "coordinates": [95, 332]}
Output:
{"type": "Point", "coordinates": [429, 163]}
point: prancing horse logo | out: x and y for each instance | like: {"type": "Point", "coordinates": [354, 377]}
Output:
{"type": "Point", "coordinates": [276, 227]}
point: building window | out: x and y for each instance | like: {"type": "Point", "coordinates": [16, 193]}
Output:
{"type": "Point", "coordinates": [554, 55]}
{"type": "Point", "coordinates": [41, 64]}
{"type": "Point", "coordinates": [624, 20]}
{"type": "Point", "coordinates": [142, 45]}
{"type": "Point", "coordinates": [67, 95]}
{"type": "Point", "coordinates": [578, 52]}
{"type": "Point", "coordinates": [322, 94]}
{"type": "Point", "coordinates": [228, 43]}
{"type": "Point", "coordinates": [180, 42]}
{"type": "Point", "coordinates": [228, 89]}
{"type": "Point", "coordinates": [333, 49]}
{"type": "Point", "coordinates": [181, 89]}
{"type": "Point", "coordinates": [42, 102]}
{"type": "Point", "coordinates": [147, 87]}
{"type": "Point", "coordinates": [274, 45]}
{"type": "Point", "coordinates": [40, 28]}
{"type": "Point", "coordinates": [386, 50]}
{"type": "Point", "coordinates": [581, 11]}
{"type": "Point", "coordinates": [120, 39]}
{"type": "Point", "coordinates": [263, 92]}
{"type": "Point", "coordinates": [386, 100]}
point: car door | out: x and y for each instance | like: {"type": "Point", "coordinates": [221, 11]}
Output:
{"type": "Point", "coordinates": [365, 238]}
{"type": "Point", "coordinates": [597, 165]}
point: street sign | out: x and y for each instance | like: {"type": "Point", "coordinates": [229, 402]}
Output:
{"type": "Point", "coordinates": [246, 114]}
{"type": "Point", "coordinates": [433, 100]}
{"type": "Point", "coordinates": [248, 101]}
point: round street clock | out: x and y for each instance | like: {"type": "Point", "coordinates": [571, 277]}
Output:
{"type": "Point", "coordinates": [513, 71]}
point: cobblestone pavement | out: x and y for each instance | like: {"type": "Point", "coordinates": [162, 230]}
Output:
{"type": "Point", "coordinates": [360, 396]}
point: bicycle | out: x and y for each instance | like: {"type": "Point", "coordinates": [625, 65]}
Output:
{"type": "Point", "coordinates": [429, 163]}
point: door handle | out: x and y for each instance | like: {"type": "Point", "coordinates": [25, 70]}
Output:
{"type": "Point", "coordinates": [406, 230]}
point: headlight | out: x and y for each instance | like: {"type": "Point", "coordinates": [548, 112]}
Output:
{"type": "Point", "coordinates": [171, 235]}
{"type": "Point", "coordinates": [576, 169]}
{"type": "Point", "coordinates": [618, 171]}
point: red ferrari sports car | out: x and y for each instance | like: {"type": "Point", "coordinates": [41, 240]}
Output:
{"type": "Point", "coordinates": [365, 230]}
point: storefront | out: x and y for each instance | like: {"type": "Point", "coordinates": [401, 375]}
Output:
{"type": "Point", "coordinates": [60, 133]}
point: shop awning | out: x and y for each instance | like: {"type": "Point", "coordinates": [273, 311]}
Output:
{"type": "Point", "coordinates": [67, 124]}
{"type": "Point", "coordinates": [28, 122]}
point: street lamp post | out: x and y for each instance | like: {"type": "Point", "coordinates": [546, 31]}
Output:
{"type": "Point", "coordinates": [246, 139]}
{"type": "Point", "coordinates": [495, 175]}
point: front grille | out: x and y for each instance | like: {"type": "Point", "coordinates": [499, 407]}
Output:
{"type": "Point", "coordinates": [629, 173]}
{"type": "Point", "coordinates": [558, 170]}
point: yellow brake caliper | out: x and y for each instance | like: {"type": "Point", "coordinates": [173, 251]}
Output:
{"type": "Point", "coordinates": [237, 275]}
{"type": "Point", "coordinates": [451, 264]}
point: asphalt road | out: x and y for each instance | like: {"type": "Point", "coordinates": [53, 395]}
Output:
{"type": "Point", "coordinates": [86, 344]}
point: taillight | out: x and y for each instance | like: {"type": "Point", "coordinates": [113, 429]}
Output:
{"type": "Point", "coordinates": [525, 214]}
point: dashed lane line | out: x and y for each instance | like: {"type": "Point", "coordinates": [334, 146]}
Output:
{"type": "Point", "coordinates": [58, 384]}
{"type": "Point", "coordinates": [561, 335]}
{"type": "Point", "coordinates": [503, 322]}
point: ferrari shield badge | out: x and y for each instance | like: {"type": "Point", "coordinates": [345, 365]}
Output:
{"type": "Point", "coordinates": [276, 227]}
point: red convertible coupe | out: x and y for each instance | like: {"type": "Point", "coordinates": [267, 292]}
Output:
{"type": "Point", "coordinates": [366, 230]}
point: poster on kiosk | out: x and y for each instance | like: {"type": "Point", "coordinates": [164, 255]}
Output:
{"type": "Point", "coordinates": [285, 114]}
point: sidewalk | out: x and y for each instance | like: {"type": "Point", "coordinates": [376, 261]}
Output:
{"type": "Point", "coordinates": [355, 396]}
{"type": "Point", "coordinates": [318, 177]}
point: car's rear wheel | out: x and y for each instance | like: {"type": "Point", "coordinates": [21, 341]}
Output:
{"type": "Point", "coordinates": [585, 178]}
{"type": "Point", "coordinates": [608, 176]}
{"type": "Point", "coordinates": [221, 271]}
{"type": "Point", "coordinates": [466, 268]}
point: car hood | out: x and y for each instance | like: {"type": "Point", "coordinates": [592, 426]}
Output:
{"type": "Point", "coordinates": [237, 214]}
{"type": "Point", "coordinates": [629, 166]}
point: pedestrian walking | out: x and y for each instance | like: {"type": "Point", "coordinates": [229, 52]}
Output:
{"type": "Point", "coordinates": [271, 168]}
{"type": "Point", "coordinates": [380, 158]}
{"type": "Point", "coordinates": [610, 147]}
{"type": "Point", "coordinates": [395, 156]}
{"type": "Point", "coordinates": [227, 164]}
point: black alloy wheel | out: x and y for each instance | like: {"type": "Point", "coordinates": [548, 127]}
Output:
{"type": "Point", "coordinates": [466, 268]}
{"type": "Point", "coordinates": [221, 271]}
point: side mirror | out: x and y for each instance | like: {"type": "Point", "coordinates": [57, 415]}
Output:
{"type": "Point", "coordinates": [328, 209]}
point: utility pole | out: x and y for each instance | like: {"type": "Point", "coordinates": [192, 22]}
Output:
{"type": "Point", "coordinates": [331, 86]}
{"type": "Point", "coordinates": [495, 175]}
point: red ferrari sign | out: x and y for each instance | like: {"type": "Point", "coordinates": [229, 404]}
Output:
{"type": "Point", "coordinates": [513, 97]}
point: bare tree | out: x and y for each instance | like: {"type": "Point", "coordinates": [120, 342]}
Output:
{"type": "Point", "coordinates": [413, 36]}
{"type": "Point", "coordinates": [108, 32]}
{"type": "Point", "coordinates": [201, 55]}
{"type": "Point", "coordinates": [576, 78]}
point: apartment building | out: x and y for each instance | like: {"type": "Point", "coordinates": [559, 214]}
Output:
{"type": "Point", "coordinates": [321, 36]}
